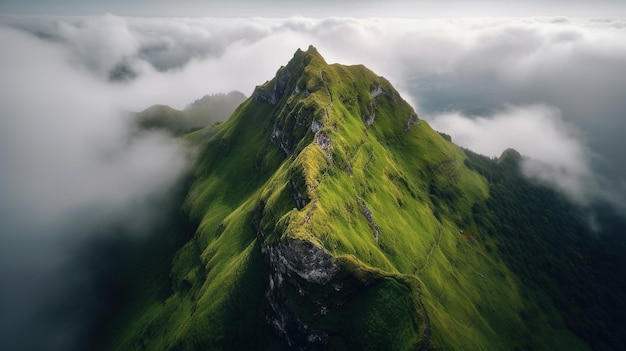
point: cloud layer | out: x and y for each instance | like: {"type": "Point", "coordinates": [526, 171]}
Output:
{"type": "Point", "coordinates": [549, 87]}
{"type": "Point", "coordinates": [68, 168]}
{"type": "Point", "coordinates": [555, 154]}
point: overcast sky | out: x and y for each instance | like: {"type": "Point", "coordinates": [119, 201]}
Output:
{"type": "Point", "coordinates": [551, 86]}
{"type": "Point", "coordinates": [319, 8]}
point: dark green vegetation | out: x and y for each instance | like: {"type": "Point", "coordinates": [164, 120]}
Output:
{"type": "Point", "coordinates": [546, 241]}
{"type": "Point", "coordinates": [199, 114]}
{"type": "Point", "coordinates": [327, 216]}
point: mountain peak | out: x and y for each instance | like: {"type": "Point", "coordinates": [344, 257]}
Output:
{"type": "Point", "coordinates": [272, 91]}
{"type": "Point", "coordinates": [311, 53]}
{"type": "Point", "coordinates": [343, 221]}
{"type": "Point", "coordinates": [317, 95]}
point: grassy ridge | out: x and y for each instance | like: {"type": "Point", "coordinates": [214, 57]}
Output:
{"type": "Point", "coordinates": [333, 155]}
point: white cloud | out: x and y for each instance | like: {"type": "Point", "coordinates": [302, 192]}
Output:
{"type": "Point", "coordinates": [65, 153]}
{"type": "Point", "coordinates": [556, 154]}
{"type": "Point", "coordinates": [63, 138]}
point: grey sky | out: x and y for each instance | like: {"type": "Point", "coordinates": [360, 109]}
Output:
{"type": "Point", "coordinates": [320, 8]}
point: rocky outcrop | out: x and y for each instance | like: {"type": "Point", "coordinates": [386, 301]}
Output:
{"type": "Point", "coordinates": [316, 126]}
{"type": "Point", "coordinates": [323, 141]}
{"type": "Point", "coordinates": [300, 199]}
{"type": "Point", "coordinates": [413, 120]}
{"type": "Point", "coordinates": [378, 90]}
{"type": "Point", "coordinates": [368, 214]}
{"type": "Point", "coordinates": [261, 94]}
{"type": "Point", "coordinates": [301, 258]}
{"type": "Point", "coordinates": [371, 115]}
{"type": "Point", "coordinates": [273, 95]}
{"type": "Point", "coordinates": [298, 263]}
{"type": "Point", "coordinates": [278, 138]}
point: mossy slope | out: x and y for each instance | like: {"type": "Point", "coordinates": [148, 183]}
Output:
{"type": "Point", "coordinates": [331, 217]}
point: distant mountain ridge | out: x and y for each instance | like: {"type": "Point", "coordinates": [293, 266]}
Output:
{"type": "Point", "coordinates": [327, 215]}
{"type": "Point", "coordinates": [203, 112]}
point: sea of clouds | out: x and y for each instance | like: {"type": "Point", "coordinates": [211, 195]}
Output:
{"type": "Point", "coordinates": [551, 88]}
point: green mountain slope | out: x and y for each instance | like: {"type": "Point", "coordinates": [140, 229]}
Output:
{"type": "Point", "coordinates": [548, 243]}
{"type": "Point", "coordinates": [199, 114]}
{"type": "Point", "coordinates": [330, 217]}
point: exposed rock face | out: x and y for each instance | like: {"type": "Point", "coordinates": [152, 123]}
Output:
{"type": "Point", "coordinates": [378, 90]}
{"type": "Point", "coordinates": [368, 214]}
{"type": "Point", "coordinates": [280, 87]}
{"type": "Point", "coordinates": [323, 141]}
{"type": "Point", "coordinates": [302, 258]}
{"type": "Point", "coordinates": [298, 197]}
{"type": "Point", "coordinates": [413, 120]}
{"type": "Point", "coordinates": [278, 138]}
{"type": "Point", "coordinates": [268, 96]}
{"type": "Point", "coordinates": [296, 263]}
{"type": "Point", "coordinates": [282, 81]}
{"type": "Point", "coordinates": [316, 126]}
{"type": "Point", "coordinates": [369, 118]}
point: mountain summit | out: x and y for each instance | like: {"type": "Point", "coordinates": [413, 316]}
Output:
{"type": "Point", "coordinates": [329, 216]}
